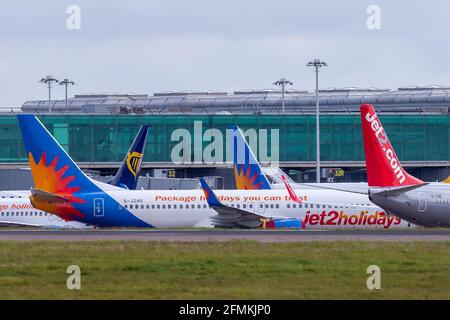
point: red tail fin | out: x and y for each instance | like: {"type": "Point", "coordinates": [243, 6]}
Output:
{"type": "Point", "coordinates": [383, 167]}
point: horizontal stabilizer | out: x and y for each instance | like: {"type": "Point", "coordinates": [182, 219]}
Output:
{"type": "Point", "coordinates": [43, 196]}
{"type": "Point", "coordinates": [398, 191]}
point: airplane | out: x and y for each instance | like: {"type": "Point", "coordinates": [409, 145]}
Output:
{"type": "Point", "coordinates": [250, 175]}
{"type": "Point", "coordinates": [63, 189]}
{"type": "Point", "coordinates": [392, 188]}
{"type": "Point", "coordinates": [16, 209]}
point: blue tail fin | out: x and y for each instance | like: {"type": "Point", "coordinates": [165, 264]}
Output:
{"type": "Point", "coordinates": [52, 168]}
{"type": "Point", "coordinates": [62, 188]}
{"type": "Point", "coordinates": [128, 173]}
{"type": "Point", "coordinates": [247, 171]}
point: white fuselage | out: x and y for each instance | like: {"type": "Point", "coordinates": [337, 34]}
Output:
{"type": "Point", "coordinates": [320, 208]}
{"type": "Point", "coordinates": [16, 210]}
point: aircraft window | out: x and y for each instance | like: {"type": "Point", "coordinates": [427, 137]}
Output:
{"type": "Point", "coordinates": [324, 206]}
{"type": "Point", "coordinates": [267, 206]}
{"type": "Point", "coordinates": [158, 206]}
{"type": "Point", "coordinates": [7, 214]}
{"type": "Point", "coordinates": [192, 206]}
{"type": "Point", "coordinates": [21, 214]}
{"type": "Point", "coordinates": [244, 206]}
{"type": "Point", "coordinates": [205, 206]}
{"type": "Point", "coordinates": [232, 205]}
{"type": "Point", "coordinates": [131, 206]}
{"type": "Point", "coordinates": [261, 206]}
{"type": "Point", "coordinates": [174, 206]}
{"type": "Point", "coordinates": [153, 206]}
{"type": "Point", "coordinates": [148, 206]}
{"type": "Point", "coordinates": [20, 196]}
{"type": "Point", "coordinates": [271, 206]}
{"type": "Point", "coordinates": [125, 206]}
{"type": "Point", "coordinates": [277, 206]}
{"type": "Point", "coordinates": [17, 214]}
{"type": "Point", "coordinates": [142, 206]}
{"type": "Point", "coordinates": [181, 206]}
{"type": "Point", "coordinates": [169, 206]}
{"type": "Point", "coordinates": [250, 206]}
{"type": "Point", "coordinates": [3, 214]}
{"type": "Point", "coordinates": [288, 206]}
{"type": "Point", "coordinates": [306, 206]}
{"type": "Point", "coordinates": [317, 206]}
{"type": "Point", "coordinates": [46, 214]}
{"type": "Point", "coordinates": [238, 205]}
{"type": "Point", "coordinates": [199, 206]}
{"type": "Point", "coordinates": [163, 206]}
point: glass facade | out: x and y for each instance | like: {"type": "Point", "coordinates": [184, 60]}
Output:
{"type": "Point", "coordinates": [107, 138]}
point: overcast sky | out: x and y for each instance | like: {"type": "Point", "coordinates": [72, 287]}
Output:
{"type": "Point", "coordinates": [135, 46]}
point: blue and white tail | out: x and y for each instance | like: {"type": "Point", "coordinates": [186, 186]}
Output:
{"type": "Point", "coordinates": [63, 189]}
{"type": "Point", "coordinates": [247, 171]}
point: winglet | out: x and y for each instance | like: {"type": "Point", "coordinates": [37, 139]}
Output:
{"type": "Point", "coordinates": [210, 196]}
{"type": "Point", "coordinates": [290, 190]}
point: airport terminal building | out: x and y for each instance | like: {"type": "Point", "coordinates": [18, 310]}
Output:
{"type": "Point", "coordinates": [97, 129]}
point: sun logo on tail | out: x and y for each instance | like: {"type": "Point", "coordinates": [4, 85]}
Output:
{"type": "Point", "coordinates": [52, 181]}
{"type": "Point", "coordinates": [133, 162]}
{"type": "Point", "coordinates": [247, 178]}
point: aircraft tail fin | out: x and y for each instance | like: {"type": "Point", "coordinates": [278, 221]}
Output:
{"type": "Point", "coordinates": [128, 173]}
{"type": "Point", "coordinates": [53, 170]}
{"type": "Point", "coordinates": [383, 167]}
{"type": "Point", "coordinates": [247, 170]}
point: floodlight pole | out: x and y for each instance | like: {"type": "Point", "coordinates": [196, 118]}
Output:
{"type": "Point", "coordinates": [282, 82]}
{"type": "Point", "coordinates": [66, 83]}
{"type": "Point", "coordinates": [316, 63]}
{"type": "Point", "coordinates": [48, 81]}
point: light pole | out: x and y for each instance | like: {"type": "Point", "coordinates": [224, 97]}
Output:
{"type": "Point", "coordinates": [48, 81]}
{"type": "Point", "coordinates": [282, 82]}
{"type": "Point", "coordinates": [66, 83]}
{"type": "Point", "coordinates": [316, 63]}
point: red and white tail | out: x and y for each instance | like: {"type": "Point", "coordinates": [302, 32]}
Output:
{"type": "Point", "coordinates": [383, 167]}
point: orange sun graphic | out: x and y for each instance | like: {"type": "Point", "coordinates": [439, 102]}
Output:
{"type": "Point", "coordinates": [244, 180]}
{"type": "Point", "coordinates": [50, 180]}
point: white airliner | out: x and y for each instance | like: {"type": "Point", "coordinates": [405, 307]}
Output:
{"type": "Point", "coordinates": [16, 209]}
{"type": "Point", "coordinates": [63, 189]}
